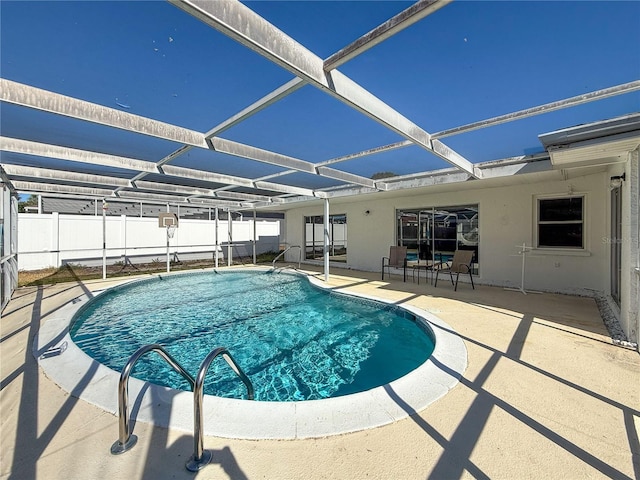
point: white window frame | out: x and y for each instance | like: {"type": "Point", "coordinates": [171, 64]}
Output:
{"type": "Point", "coordinates": [584, 250]}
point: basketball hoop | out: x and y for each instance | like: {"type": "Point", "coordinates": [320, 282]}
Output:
{"type": "Point", "coordinates": [171, 230]}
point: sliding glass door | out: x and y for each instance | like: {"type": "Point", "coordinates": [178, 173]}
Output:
{"type": "Point", "coordinates": [435, 233]}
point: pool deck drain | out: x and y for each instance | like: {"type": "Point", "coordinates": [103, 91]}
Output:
{"type": "Point", "coordinates": [545, 395]}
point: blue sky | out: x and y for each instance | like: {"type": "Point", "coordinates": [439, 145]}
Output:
{"type": "Point", "coordinates": [469, 61]}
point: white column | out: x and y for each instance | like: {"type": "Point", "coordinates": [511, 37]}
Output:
{"type": "Point", "coordinates": [326, 239]}
{"type": "Point", "coordinates": [217, 242]}
{"type": "Point", "coordinates": [229, 237]}
{"type": "Point", "coordinates": [104, 239]}
{"type": "Point", "coordinates": [167, 235]}
{"type": "Point", "coordinates": [254, 237]}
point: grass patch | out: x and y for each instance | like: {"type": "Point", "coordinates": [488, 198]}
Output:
{"type": "Point", "coordinates": [73, 272]}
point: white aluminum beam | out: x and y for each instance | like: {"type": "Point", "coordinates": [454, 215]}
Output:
{"type": "Point", "coordinates": [212, 177]}
{"type": "Point", "coordinates": [401, 21]}
{"type": "Point", "coordinates": [540, 109]}
{"type": "Point", "coordinates": [294, 190]}
{"type": "Point", "coordinates": [26, 147]}
{"type": "Point", "coordinates": [220, 193]}
{"type": "Point", "coordinates": [244, 196]}
{"type": "Point", "coordinates": [4, 178]}
{"type": "Point", "coordinates": [404, 19]}
{"type": "Point", "coordinates": [177, 200]}
{"type": "Point", "coordinates": [170, 188]}
{"type": "Point", "coordinates": [41, 99]}
{"type": "Point", "coordinates": [27, 96]}
{"type": "Point", "coordinates": [364, 153]}
{"type": "Point", "coordinates": [245, 26]}
{"type": "Point", "coordinates": [345, 158]}
{"type": "Point", "coordinates": [38, 187]}
{"type": "Point", "coordinates": [264, 102]}
{"type": "Point", "coordinates": [199, 193]}
{"type": "Point", "coordinates": [253, 153]}
{"type": "Point", "coordinates": [61, 175]}
{"type": "Point", "coordinates": [346, 177]}
{"type": "Point", "coordinates": [269, 99]}
{"type": "Point", "coordinates": [246, 151]}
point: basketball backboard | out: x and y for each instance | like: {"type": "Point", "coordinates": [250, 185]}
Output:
{"type": "Point", "coordinates": [167, 220]}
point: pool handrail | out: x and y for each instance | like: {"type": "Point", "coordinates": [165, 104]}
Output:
{"type": "Point", "coordinates": [273, 264]}
{"type": "Point", "coordinates": [200, 457]}
{"type": "Point", "coordinates": [126, 440]}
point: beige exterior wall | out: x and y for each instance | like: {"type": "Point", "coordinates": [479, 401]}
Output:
{"type": "Point", "coordinates": [506, 222]}
{"type": "Point", "coordinates": [628, 313]}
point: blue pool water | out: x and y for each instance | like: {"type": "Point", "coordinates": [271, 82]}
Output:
{"type": "Point", "coordinates": [294, 341]}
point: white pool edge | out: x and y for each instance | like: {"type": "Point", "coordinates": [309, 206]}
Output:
{"type": "Point", "coordinates": [83, 377]}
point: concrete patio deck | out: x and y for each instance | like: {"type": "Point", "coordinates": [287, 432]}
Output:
{"type": "Point", "coordinates": [545, 395]}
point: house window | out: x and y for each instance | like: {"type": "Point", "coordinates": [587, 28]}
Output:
{"type": "Point", "coordinates": [314, 237]}
{"type": "Point", "coordinates": [561, 222]}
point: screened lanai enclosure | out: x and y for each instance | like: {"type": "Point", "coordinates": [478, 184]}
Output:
{"type": "Point", "coordinates": [243, 107]}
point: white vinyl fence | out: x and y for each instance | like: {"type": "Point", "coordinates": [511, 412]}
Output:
{"type": "Point", "coordinates": [52, 240]}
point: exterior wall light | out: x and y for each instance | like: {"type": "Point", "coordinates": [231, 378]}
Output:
{"type": "Point", "coordinates": [616, 182]}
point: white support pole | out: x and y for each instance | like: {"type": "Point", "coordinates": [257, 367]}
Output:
{"type": "Point", "coordinates": [254, 237]}
{"type": "Point", "coordinates": [326, 239]}
{"type": "Point", "coordinates": [217, 243]}
{"type": "Point", "coordinates": [168, 261]}
{"type": "Point", "coordinates": [229, 237]}
{"type": "Point", "coordinates": [40, 204]}
{"type": "Point", "coordinates": [104, 239]}
{"type": "Point", "coordinates": [167, 233]}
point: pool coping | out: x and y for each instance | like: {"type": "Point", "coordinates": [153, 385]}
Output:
{"type": "Point", "coordinates": [83, 377]}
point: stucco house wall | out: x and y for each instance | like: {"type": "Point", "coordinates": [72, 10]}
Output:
{"type": "Point", "coordinates": [507, 220]}
{"type": "Point", "coordinates": [507, 213]}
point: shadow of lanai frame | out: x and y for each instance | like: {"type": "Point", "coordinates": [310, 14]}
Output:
{"type": "Point", "coordinates": [459, 447]}
{"type": "Point", "coordinates": [31, 440]}
{"type": "Point", "coordinates": [34, 434]}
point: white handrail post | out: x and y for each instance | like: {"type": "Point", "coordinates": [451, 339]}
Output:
{"type": "Point", "coordinates": [217, 243]}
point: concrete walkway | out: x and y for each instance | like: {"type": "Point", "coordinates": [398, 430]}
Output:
{"type": "Point", "coordinates": [545, 395]}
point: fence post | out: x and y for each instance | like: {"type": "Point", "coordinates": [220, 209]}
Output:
{"type": "Point", "coordinates": [55, 237]}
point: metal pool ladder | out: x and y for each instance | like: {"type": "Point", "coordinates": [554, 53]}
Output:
{"type": "Point", "coordinates": [127, 440]}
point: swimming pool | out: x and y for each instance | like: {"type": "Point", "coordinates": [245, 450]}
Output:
{"type": "Point", "coordinates": [82, 376]}
{"type": "Point", "coordinates": [294, 341]}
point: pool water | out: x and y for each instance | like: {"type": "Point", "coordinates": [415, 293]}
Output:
{"type": "Point", "coordinates": [293, 340]}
